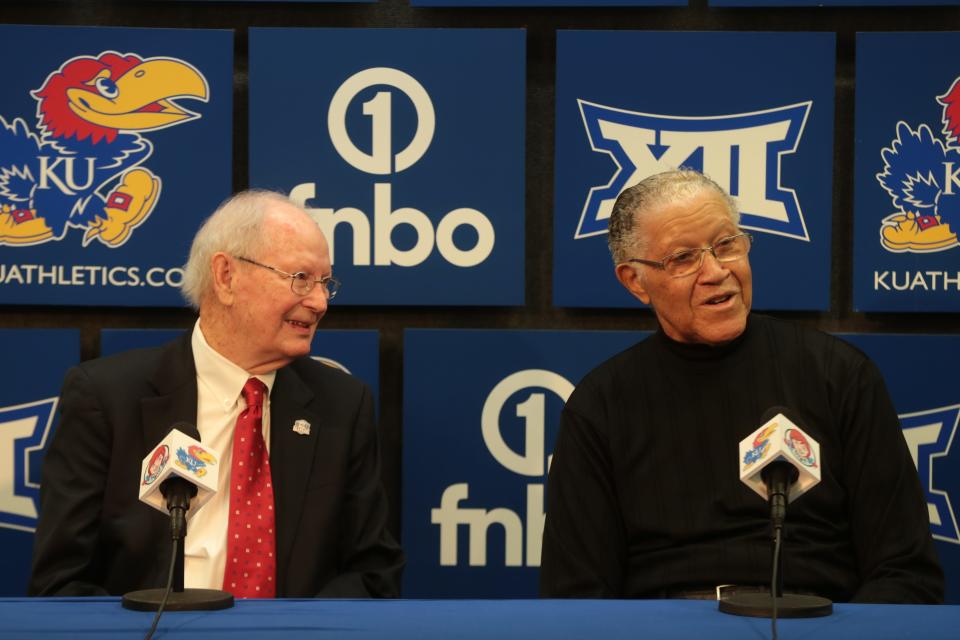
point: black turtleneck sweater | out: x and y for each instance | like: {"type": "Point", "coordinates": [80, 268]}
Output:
{"type": "Point", "coordinates": [644, 498]}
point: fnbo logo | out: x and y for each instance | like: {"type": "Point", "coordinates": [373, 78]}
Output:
{"type": "Point", "coordinates": [380, 115]}
{"type": "Point", "coordinates": [524, 392]}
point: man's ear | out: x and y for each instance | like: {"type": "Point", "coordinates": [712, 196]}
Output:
{"type": "Point", "coordinates": [629, 277]}
{"type": "Point", "coordinates": [224, 272]}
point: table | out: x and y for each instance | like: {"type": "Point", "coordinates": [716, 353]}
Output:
{"type": "Point", "coordinates": [105, 619]}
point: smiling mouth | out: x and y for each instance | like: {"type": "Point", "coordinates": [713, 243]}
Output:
{"type": "Point", "coordinates": [719, 299]}
{"type": "Point", "coordinates": [297, 323]}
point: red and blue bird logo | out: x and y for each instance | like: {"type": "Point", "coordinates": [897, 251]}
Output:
{"type": "Point", "coordinates": [82, 165]}
{"type": "Point", "coordinates": [921, 174]}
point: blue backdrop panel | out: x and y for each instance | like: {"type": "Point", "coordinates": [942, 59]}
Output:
{"type": "Point", "coordinates": [476, 449]}
{"type": "Point", "coordinates": [114, 145]}
{"type": "Point", "coordinates": [408, 147]}
{"type": "Point", "coordinates": [757, 116]}
{"type": "Point", "coordinates": [921, 375]}
{"type": "Point", "coordinates": [355, 351]}
{"type": "Point", "coordinates": [907, 173]}
{"type": "Point", "coordinates": [36, 361]}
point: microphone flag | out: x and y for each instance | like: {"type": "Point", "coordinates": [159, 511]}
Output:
{"type": "Point", "coordinates": [179, 455]}
{"type": "Point", "coordinates": [780, 439]}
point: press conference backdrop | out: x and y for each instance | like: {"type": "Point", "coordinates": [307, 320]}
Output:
{"type": "Point", "coordinates": [766, 139]}
{"type": "Point", "coordinates": [921, 375]}
{"type": "Point", "coordinates": [28, 401]}
{"type": "Point", "coordinates": [35, 361]}
{"type": "Point", "coordinates": [476, 450]}
{"type": "Point", "coordinates": [415, 174]}
{"type": "Point", "coordinates": [99, 204]}
{"type": "Point", "coordinates": [907, 204]}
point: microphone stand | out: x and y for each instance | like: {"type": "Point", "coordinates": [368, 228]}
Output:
{"type": "Point", "coordinates": [174, 597]}
{"type": "Point", "coordinates": [778, 477]}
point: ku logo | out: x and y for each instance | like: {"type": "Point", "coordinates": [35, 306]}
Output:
{"type": "Point", "coordinates": [929, 435]}
{"type": "Point", "coordinates": [384, 161]}
{"type": "Point", "coordinates": [921, 174]}
{"type": "Point", "coordinates": [23, 431]}
{"type": "Point", "coordinates": [81, 168]}
{"type": "Point", "coordinates": [532, 463]}
{"type": "Point", "coordinates": [741, 152]}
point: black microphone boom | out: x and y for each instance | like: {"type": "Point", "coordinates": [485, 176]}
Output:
{"type": "Point", "coordinates": [177, 493]}
{"type": "Point", "coordinates": [778, 476]}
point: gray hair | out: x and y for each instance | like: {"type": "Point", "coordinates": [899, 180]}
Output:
{"type": "Point", "coordinates": [235, 228]}
{"type": "Point", "coordinates": [650, 194]}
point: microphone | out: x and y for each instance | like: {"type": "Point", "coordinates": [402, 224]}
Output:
{"type": "Point", "coordinates": [779, 461]}
{"type": "Point", "coordinates": [179, 476]}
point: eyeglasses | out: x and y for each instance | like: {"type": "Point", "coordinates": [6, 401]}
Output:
{"type": "Point", "coordinates": [301, 282]}
{"type": "Point", "coordinates": [687, 262]}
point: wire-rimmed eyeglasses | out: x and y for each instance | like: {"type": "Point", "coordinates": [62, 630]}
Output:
{"type": "Point", "coordinates": [301, 282]}
{"type": "Point", "coordinates": [688, 261]}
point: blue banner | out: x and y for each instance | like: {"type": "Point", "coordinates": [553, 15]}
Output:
{"type": "Point", "coordinates": [407, 145]}
{"type": "Point", "coordinates": [355, 351]}
{"type": "Point", "coordinates": [921, 375]}
{"type": "Point", "coordinates": [36, 361]}
{"type": "Point", "coordinates": [907, 174]}
{"type": "Point", "coordinates": [754, 111]}
{"type": "Point", "coordinates": [476, 449]}
{"type": "Point", "coordinates": [114, 145]}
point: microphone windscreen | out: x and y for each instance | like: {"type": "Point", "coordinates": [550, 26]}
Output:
{"type": "Point", "coordinates": [188, 429]}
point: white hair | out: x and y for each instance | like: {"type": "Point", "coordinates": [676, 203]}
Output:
{"type": "Point", "coordinates": [235, 228]}
{"type": "Point", "coordinates": [651, 194]}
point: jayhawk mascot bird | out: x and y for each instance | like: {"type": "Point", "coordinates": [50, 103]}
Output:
{"type": "Point", "coordinates": [82, 168]}
{"type": "Point", "coordinates": [919, 174]}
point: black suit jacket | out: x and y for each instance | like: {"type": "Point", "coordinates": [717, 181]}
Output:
{"type": "Point", "coordinates": [95, 537]}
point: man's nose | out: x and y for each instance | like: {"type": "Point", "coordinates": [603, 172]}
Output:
{"type": "Point", "coordinates": [712, 269]}
{"type": "Point", "coordinates": [316, 300]}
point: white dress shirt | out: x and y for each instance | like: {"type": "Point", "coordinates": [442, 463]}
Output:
{"type": "Point", "coordinates": [219, 403]}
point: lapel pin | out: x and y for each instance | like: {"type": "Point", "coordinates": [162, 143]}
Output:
{"type": "Point", "coordinates": [301, 427]}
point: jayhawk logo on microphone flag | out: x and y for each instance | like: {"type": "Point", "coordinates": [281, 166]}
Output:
{"type": "Point", "coordinates": [920, 174]}
{"type": "Point", "coordinates": [195, 460]}
{"type": "Point", "coordinates": [82, 164]}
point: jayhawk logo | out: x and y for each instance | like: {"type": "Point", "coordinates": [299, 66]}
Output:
{"type": "Point", "coordinates": [195, 460]}
{"type": "Point", "coordinates": [760, 445]}
{"type": "Point", "coordinates": [921, 173]}
{"type": "Point", "coordinates": [82, 167]}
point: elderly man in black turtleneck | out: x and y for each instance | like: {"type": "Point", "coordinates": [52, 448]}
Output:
{"type": "Point", "coordinates": [644, 498]}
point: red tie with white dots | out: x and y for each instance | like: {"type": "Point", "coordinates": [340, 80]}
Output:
{"type": "Point", "coordinates": [251, 547]}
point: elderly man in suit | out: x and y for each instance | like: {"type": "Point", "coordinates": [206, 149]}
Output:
{"type": "Point", "coordinates": [307, 514]}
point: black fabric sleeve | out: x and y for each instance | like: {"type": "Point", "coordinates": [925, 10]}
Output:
{"type": "Point", "coordinates": [888, 518]}
{"type": "Point", "coordinates": [371, 560]}
{"type": "Point", "coordinates": [71, 492]}
{"type": "Point", "coordinates": [584, 544]}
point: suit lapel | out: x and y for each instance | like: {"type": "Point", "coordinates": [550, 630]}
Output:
{"type": "Point", "coordinates": [175, 382]}
{"type": "Point", "coordinates": [291, 457]}
{"type": "Point", "coordinates": [175, 400]}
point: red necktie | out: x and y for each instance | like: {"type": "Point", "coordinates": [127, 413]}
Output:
{"type": "Point", "coordinates": [251, 547]}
